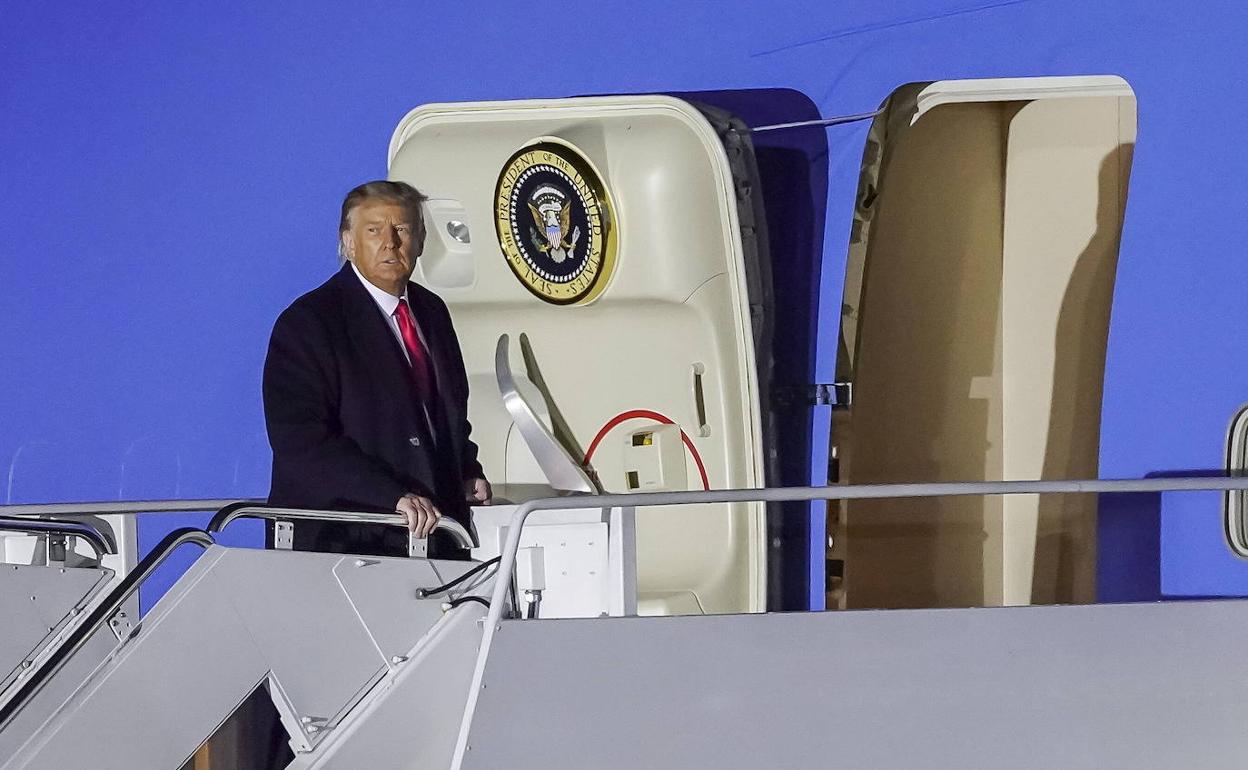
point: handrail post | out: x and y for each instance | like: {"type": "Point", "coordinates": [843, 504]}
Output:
{"type": "Point", "coordinates": [498, 598]}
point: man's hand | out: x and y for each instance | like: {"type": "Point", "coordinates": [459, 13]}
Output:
{"type": "Point", "coordinates": [421, 514]}
{"type": "Point", "coordinates": [478, 492]}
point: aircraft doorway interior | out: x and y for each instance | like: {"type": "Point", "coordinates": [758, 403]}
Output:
{"type": "Point", "coordinates": [977, 298]}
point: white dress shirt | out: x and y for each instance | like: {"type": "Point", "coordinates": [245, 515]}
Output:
{"type": "Point", "coordinates": [387, 303]}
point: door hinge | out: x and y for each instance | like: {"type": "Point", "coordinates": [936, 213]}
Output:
{"type": "Point", "coordinates": [838, 395]}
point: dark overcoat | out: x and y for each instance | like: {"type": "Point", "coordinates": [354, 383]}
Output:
{"type": "Point", "coordinates": [347, 430]}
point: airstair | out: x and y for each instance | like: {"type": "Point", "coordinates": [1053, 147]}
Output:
{"type": "Point", "coordinates": [387, 662]}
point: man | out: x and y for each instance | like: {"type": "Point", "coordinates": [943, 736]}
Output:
{"type": "Point", "coordinates": [365, 393]}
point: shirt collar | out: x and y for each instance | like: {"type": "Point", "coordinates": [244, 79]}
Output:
{"type": "Point", "coordinates": [385, 300]}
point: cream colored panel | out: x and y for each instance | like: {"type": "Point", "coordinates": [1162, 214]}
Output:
{"type": "Point", "coordinates": [675, 300]}
{"type": "Point", "coordinates": [1019, 90]}
{"type": "Point", "coordinates": [1066, 180]}
{"type": "Point", "coordinates": [669, 185]}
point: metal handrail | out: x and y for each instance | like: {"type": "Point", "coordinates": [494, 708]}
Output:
{"type": "Point", "coordinates": [112, 603]}
{"type": "Point", "coordinates": [223, 517]}
{"type": "Point", "coordinates": [120, 507]}
{"type": "Point", "coordinates": [102, 544]}
{"type": "Point", "coordinates": [504, 575]}
{"type": "Point", "coordinates": [507, 563]}
{"type": "Point", "coordinates": [226, 511]}
{"type": "Point", "coordinates": [97, 617]}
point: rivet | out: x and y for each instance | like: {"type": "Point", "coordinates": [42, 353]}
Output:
{"type": "Point", "coordinates": [360, 562]}
{"type": "Point", "coordinates": [397, 659]}
{"type": "Point", "coordinates": [305, 720]}
{"type": "Point", "coordinates": [313, 729]}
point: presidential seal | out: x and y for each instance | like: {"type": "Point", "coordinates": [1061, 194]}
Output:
{"type": "Point", "coordinates": [555, 223]}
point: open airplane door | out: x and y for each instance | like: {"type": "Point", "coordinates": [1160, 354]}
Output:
{"type": "Point", "coordinates": [603, 236]}
{"type": "Point", "coordinates": [975, 321]}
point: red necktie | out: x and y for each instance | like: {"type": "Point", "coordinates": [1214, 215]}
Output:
{"type": "Point", "coordinates": [421, 371]}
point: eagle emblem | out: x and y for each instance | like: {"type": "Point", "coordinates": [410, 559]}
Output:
{"type": "Point", "coordinates": [563, 249]}
{"type": "Point", "coordinates": [552, 214]}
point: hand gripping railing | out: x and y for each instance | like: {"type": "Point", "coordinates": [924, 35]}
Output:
{"type": "Point", "coordinates": [97, 618]}
{"type": "Point", "coordinates": [101, 543]}
{"type": "Point", "coordinates": [463, 538]}
{"type": "Point", "coordinates": [504, 576]}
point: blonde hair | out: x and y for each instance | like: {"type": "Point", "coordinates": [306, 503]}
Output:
{"type": "Point", "coordinates": [381, 189]}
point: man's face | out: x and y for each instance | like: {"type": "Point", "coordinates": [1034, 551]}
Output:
{"type": "Point", "coordinates": [383, 242]}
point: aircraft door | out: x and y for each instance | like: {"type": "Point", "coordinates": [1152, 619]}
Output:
{"type": "Point", "coordinates": [975, 318]}
{"type": "Point", "coordinates": [602, 235]}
